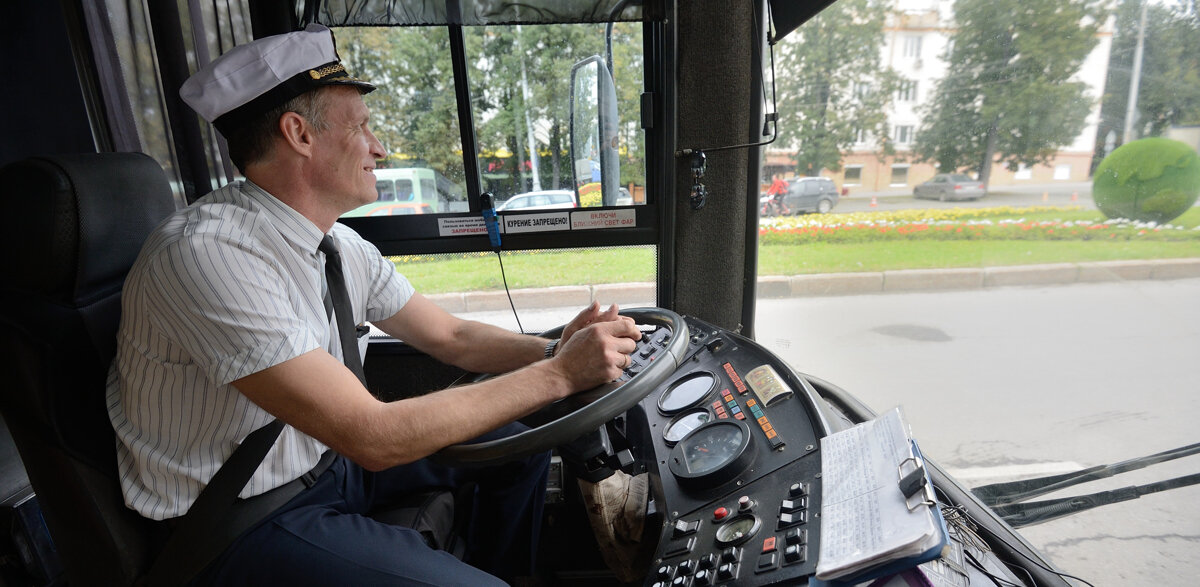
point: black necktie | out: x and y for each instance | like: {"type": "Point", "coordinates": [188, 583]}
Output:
{"type": "Point", "coordinates": [336, 296]}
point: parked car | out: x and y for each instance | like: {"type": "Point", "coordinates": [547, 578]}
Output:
{"type": "Point", "coordinates": [950, 186]}
{"type": "Point", "coordinates": [805, 194]}
{"type": "Point", "coordinates": [546, 199]}
{"type": "Point", "coordinates": [624, 198]}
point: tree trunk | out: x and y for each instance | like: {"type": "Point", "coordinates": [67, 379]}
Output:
{"type": "Point", "coordinates": [556, 155]}
{"type": "Point", "coordinates": [989, 153]}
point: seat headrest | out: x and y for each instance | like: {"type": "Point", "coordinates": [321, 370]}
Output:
{"type": "Point", "coordinates": [112, 201]}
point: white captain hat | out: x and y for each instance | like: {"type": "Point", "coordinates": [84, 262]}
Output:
{"type": "Point", "coordinates": [251, 79]}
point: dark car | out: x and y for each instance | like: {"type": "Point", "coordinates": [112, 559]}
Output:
{"type": "Point", "coordinates": [809, 194]}
{"type": "Point", "coordinates": [950, 186]}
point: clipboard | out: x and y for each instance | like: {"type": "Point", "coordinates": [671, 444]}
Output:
{"type": "Point", "coordinates": [901, 523]}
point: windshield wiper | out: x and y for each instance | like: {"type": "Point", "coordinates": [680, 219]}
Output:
{"type": "Point", "coordinates": [1036, 512]}
{"type": "Point", "coordinates": [1005, 498]}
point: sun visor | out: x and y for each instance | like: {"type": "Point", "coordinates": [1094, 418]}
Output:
{"type": "Point", "coordinates": [788, 15]}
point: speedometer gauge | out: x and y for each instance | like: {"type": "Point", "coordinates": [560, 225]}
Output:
{"type": "Point", "coordinates": [712, 454]}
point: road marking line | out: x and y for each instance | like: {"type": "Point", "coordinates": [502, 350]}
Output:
{"type": "Point", "coordinates": [1013, 471]}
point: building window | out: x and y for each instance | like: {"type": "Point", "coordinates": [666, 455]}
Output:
{"type": "Point", "coordinates": [907, 92]}
{"type": "Point", "coordinates": [860, 135]}
{"type": "Point", "coordinates": [912, 46]}
{"type": "Point", "coordinates": [1023, 172]}
{"type": "Point", "coordinates": [862, 90]}
{"type": "Point", "coordinates": [853, 175]}
{"type": "Point", "coordinates": [899, 175]}
{"type": "Point", "coordinates": [1062, 171]}
{"type": "Point", "coordinates": [903, 134]}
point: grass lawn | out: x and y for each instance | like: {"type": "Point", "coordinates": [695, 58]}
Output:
{"type": "Point", "coordinates": [525, 269]}
{"type": "Point", "coordinates": [529, 269]}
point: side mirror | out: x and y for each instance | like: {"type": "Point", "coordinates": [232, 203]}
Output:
{"type": "Point", "coordinates": [596, 172]}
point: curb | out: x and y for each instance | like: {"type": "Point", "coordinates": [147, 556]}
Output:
{"type": "Point", "coordinates": [836, 284]}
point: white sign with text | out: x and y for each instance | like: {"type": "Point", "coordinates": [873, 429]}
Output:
{"type": "Point", "coordinates": [590, 219]}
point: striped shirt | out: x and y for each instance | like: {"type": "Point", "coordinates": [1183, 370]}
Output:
{"type": "Point", "coordinates": [222, 289]}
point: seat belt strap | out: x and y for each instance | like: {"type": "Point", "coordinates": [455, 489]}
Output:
{"type": "Point", "coordinates": [190, 548]}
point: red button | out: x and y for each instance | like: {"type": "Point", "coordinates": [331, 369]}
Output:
{"type": "Point", "coordinates": [720, 513]}
{"type": "Point", "coordinates": [768, 544]}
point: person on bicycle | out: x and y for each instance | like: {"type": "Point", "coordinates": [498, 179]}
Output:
{"type": "Point", "coordinates": [777, 190]}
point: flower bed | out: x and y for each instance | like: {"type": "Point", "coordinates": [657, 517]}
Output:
{"type": "Point", "coordinates": [958, 224]}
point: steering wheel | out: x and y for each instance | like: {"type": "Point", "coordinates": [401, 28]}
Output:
{"type": "Point", "coordinates": [575, 415]}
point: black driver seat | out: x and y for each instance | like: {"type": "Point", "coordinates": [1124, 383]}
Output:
{"type": "Point", "coordinates": [76, 224]}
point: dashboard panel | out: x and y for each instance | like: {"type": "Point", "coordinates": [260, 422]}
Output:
{"type": "Point", "coordinates": [736, 466]}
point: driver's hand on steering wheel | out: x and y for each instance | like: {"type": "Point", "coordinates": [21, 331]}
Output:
{"type": "Point", "coordinates": [596, 345]}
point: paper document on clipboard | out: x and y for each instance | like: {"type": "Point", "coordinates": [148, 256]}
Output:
{"type": "Point", "coordinates": [878, 513]}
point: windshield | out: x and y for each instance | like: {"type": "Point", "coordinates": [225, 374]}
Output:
{"type": "Point", "coordinates": [1024, 330]}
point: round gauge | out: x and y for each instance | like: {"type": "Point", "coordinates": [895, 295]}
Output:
{"type": "Point", "coordinates": [684, 424]}
{"type": "Point", "coordinates": [686, 392]}
{"type": "Point", "coordinates": [737, 530]}
{"type": "Point", "coordinates": [712, 454]}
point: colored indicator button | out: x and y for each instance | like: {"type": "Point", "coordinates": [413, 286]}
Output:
{"type": "Point", "coordinates": [719, 514]}
{"type": "Point", "coordinates": [769, 544]}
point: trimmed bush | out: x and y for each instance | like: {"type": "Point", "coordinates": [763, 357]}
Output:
{"type": "Point", "coordinates": [1149, 180]}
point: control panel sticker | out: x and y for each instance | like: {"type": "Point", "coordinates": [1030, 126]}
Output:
{"type": "Point", "coordinates": [461, 226]}
{"type": "Point", "coordinates": [603, 219]}
{"type": "Point", "coordinates": [535, 222]}
{"type": "Point", "coordinates": [733, 376]}
{"type": "Point", "coordinates": [768, 384]}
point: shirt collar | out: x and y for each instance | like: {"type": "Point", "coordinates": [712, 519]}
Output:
{"type": "Point", "coordinates": [290, 223]}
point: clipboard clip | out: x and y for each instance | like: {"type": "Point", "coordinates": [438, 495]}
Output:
{"type": "Point", "coordinates": [914, 482]}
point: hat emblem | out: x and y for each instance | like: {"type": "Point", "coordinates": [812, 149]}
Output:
{"type": "Point", "coordinates": [326, 71]}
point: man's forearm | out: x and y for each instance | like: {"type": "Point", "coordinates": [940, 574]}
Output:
{"type": "Point", "coordinates": [483, 348]}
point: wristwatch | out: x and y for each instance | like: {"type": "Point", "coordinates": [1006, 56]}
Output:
{"type": "Point", "coordinates": [551, 347]}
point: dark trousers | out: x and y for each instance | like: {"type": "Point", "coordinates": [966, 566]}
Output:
{"type": "Point", "coordinates": [324, 537]}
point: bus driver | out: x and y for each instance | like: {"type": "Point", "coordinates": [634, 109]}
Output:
{"type": "Point", "coordinates": [224, 328]}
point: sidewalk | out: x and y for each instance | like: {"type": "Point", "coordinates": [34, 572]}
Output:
{"type": "Point", "coordinates": [835, 284]}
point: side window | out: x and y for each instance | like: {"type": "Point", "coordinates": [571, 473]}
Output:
{"type": "Point", "coordinates": [404, 190]}
{"type": "Point", "coordinates": [517, 105]}
{"type": "Point", "coordinates": [523, 105]}
{"type": "Point", "coordinates": [386, 189]}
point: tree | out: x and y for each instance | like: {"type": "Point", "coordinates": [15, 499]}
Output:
{"type": "Point", "coordinates": [831, 85]}
{"type": "Point", "coordinates": [1169, 85]}
{"type": "Point", "coordinates": [1008, 95]}
{"type": "Point", "coordinates": [413, 111]}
